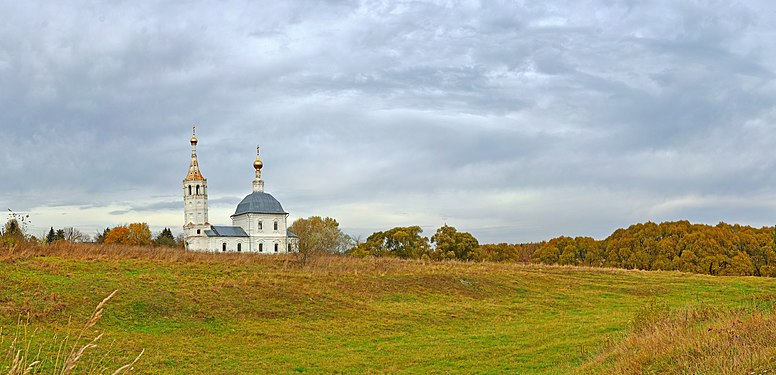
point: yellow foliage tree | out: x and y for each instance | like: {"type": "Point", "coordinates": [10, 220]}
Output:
{"type": "Point", "coordinates": [139, 235]}
{"type": "Point", "coordinates": [136, 234]}
{"type": "Point", "coordinates": [117, 235]}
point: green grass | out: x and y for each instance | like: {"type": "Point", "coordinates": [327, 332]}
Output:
{"type": "Point", "coordinates": [260, 314]}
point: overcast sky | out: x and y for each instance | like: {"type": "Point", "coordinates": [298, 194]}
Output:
{"type": "Point", "coordinates": [515, 121]}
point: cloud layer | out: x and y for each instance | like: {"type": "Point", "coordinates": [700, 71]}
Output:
{"type": "Point", "coordinates": [516, 122]}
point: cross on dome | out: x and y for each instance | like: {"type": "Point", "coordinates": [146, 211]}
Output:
{"type": "Point", "coordinates": [257, 164]}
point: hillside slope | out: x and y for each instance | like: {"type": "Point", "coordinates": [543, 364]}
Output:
{"type": "Point", "coordinates": [226, 313]}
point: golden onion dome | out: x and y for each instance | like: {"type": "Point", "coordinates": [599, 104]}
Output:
{"type": "Point", "coordinates": [257, 164]}
{"type": "Point", "coordinates": [193, 140]}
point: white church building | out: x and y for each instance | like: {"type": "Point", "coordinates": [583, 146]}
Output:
{"type": "Point", "coordinates": [259, 224]}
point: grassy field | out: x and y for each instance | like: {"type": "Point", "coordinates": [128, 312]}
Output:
{"type": "Point", "coordinates": [229, 313]}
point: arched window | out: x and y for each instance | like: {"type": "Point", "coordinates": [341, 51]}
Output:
{"type": "Point", "coordinates": [197, 189]}
{"type": "Point", "coordinates": [261, 247]}
{"type": "Point", "coordinates": [239, 247]}
{"type": "Point", "coordinates": [276, 248]}
{"type": "Point", "coordinates": [189, 189]}
{"type": "Point", "coordinates": [223, 247]}
{"type": "Point", "coordinates": [289, 248]}
{"type": "Point", "coordinates": [260, 225]}
{"type": "Point", "coordinates": [276, 225]}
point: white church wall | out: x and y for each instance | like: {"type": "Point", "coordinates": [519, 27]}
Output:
{"type": "Point", "coordinates": [262, 225]}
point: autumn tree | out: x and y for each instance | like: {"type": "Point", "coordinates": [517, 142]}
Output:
{"type": "Point", "coordinates": [741, 264]}
{"type": "Point", "coordinates": [502, 252]}
{"type": "Point", "coordinates": [401, 242]}
{"type": "Point", "coordinates": [549, 253]}
{"type": "Point", "coordinates": [319, 235]}
{"type": "Point", "coordinates": [117, 235]}
{"type": "Point", "coordinates": [135, 234]}
{"type": "Point", "coordinates": [139, 234]}
{"type": "Point", "coordinates": [451, 244]}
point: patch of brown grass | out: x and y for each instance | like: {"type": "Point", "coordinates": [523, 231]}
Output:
{"type": "Point", "coordinates": [323, 263]}
{"type": "Point", "coordinates": [693, 340]}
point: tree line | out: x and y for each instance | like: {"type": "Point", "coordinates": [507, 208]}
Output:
{"type": "Point", "coordinates": [138, 234]}
{"type": "Point", "coordinates": [722, 249]}
{"type": "Point", "coordinates": [408, 243]}
{"type": "Point", "coordinates": [15, 232]}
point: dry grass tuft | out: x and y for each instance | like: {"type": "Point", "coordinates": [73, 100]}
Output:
{"type": "Point", "coordinates": [75, 355]}
{"type": "Point", "coordinates": [20, 356]}
{"type": "Point", "coordinates": [693, 340]}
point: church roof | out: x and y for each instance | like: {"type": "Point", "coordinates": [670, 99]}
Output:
{"type": "Point", "coordinates": [259, 203]}
{"type": "Point", "coordinates": [225, 231]}
{"type": "Point", "coordinates": [291, 234]}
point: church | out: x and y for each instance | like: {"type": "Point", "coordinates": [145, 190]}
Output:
{"type": "Point", "coordinates": [259, 224]}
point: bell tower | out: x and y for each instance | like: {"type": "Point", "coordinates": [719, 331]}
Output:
{"type": "Point", "coordinates": [194, 198]}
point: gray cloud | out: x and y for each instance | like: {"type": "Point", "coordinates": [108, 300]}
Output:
{"type": "Point", "coordinates": [515, 122]}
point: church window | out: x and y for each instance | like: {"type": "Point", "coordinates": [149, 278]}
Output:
{"type": "Point", "coordinates": [260, 225]}
{"type": "Point", "coordinates": [239, 247]}
{"type": "Point", "coordinates": [261, 247]}
{"type": "Point", "coordinates": [289, 248]}
{"type": "Point", "coordinates": [276, 225]}
{"type": "Point", "coordinates": [197, 189]}
{"type": "Point", "coordinates": [223, 247]}
{"type": "Point", "coordinates": [198, 231]}
{"type": "Point", "coordinates": [189, 189]}
{"type": "Point", "coordinates": [276, 248]}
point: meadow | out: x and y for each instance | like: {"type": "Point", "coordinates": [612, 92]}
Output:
{"type": "Point", "coordinates": [241, 313]}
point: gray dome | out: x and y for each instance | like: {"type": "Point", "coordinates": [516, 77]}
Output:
{"type": "Point", "coordinates": [259, 203]}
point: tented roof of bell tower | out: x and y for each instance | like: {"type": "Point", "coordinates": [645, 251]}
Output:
{"type": "Point", "coordinates": [194, 173]}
